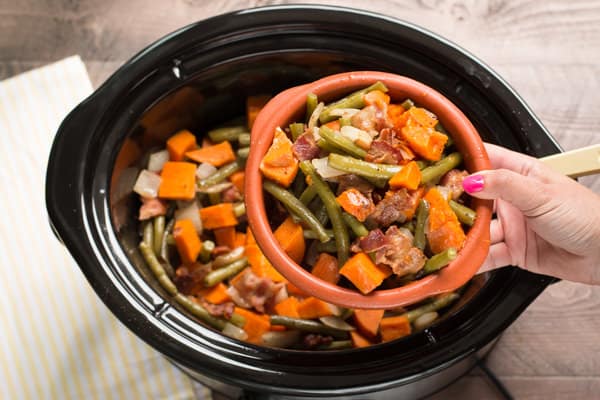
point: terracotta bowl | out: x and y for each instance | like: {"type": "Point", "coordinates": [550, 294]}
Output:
{"type": "Point", "coordinates": [289, 106]}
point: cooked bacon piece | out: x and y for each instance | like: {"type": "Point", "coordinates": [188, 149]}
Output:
{"type": "Point", "coordinates": [252, 291]}
{"type": "Point", "coordinates": [394, 138]}
{"type": "Point", "coordinates": [382, 152]}
{"type": "Point", "coordinates": [189, 278]}
{"type": "Point", "coordinates": [354, 181]}
{"type": "Point", "coordinates": [313, 340]}
{"type": "Point", "coordinates": [224, 310]}
{"type": "Point", "coordinates": [374, 240]}
{"type": "Point", "coordinates": [305, 147]}
{"type": "Point", "coordinates": [399, 254]}
{"type": "Point", "coordinates": [220, 250]}
{"type": "Point", "coordinates": [371, 119]}
{"type": "Point", "coordinates": [152, 207]}
{"type": "Point", "coordinates": [231, 195]}
{"type": "Point", "coordinates": [396, 206]}
{"type": "Point", "coordinates": [453, 181]}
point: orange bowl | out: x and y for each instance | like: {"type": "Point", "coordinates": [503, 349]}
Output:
{"type": "Point", "coordinates": [289, 106]}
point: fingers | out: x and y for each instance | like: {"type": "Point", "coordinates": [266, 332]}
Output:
{"type": "Point", "coordinates": [499, 256]}
{"type": "Point", "coordinates": [496, 232]}
{"type": "Point", "coordinates": [524, 192]}
{"type": "Point", "coordinates": [501, 157]}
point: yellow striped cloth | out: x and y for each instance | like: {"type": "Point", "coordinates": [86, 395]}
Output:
{"type": "Point", "coordinates": [57, 339]}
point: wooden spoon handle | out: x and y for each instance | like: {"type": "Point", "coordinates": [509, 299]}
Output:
{"type": "Point", "coordinates": [576, 163]}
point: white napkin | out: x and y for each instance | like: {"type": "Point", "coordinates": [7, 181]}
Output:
{"type": "Point", "coordinates": [57, 339]}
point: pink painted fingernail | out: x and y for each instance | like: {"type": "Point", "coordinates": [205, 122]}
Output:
{"type": "Point", "coordinates": [473, 183]}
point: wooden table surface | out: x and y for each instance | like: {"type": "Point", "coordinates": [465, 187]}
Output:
{"type": "Point", "coordinates": [549, 51]}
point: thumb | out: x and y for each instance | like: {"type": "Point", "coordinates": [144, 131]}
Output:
{"type": "Point", "coordinates": [524, 192]}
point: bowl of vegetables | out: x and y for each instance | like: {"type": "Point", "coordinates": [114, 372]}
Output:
{"type": "Point", "coordinates": [370, 181]}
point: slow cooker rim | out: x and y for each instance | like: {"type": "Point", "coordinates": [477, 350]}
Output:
{"type": "Point", "coordinates": [110, 86]}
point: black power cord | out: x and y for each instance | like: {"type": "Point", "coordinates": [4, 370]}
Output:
{"type": "Point", "coordinates": [495, 381]}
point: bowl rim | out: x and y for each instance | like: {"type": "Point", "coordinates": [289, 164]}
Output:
{"type": "Point", "coordinates": [289, 104]}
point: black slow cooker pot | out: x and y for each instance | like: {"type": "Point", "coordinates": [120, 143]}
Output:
{"type": "Point", "coordinates": [200, 76]}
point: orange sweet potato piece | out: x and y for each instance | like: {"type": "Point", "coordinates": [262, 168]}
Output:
{"type": "Point", "coordinates": [421, 136]}
{"type": "Point", "coordinates": [225, 236]}
{"type": "Point", "coordinates": [444, 229]}
{"type": "Point", "coordinates": [279, 163]}
{"type": "Point", "coordinates": [238, 178]}
{"type": "Point", "coordinates": [253, 106]}
{"type": "Point", "coordinates": [187, 241]}
{"type": "Point", "coordinates": [291, 238]}
{"type": "Point", "coordinates": [178, 181]}
{"type": "Point", "coordinates": [363, 273]}
{"type": "Point", "coordinates": [334, 125]}
{"type": "Point", "coordinates": [240, 239]}
{"type": "Point", "coordinates": [394, 327]}
{"type": "Point", "coordinates": [358, 340]}
{"type": "Point", "coordinates": [260, 265]}
{"type": "Point", "coordinates": [288, 307]}
{"type": "Point", "coordinates": [377, 98]}
{"type": "Point", "coordinates": [250, 236]}
{"type": "Point", "coordinates": [356, 203]}
{"type": "Point", "coordinates": [256, 324]}
{"type": "Point", "coordinates": [398, 115]}
{"type": "Point", "coordinates": [217, 155]}
{"type": "Point", "coordinates": [326, 268]}
{"type": "Point", "coordinates": [409, 177]}
{"type": "Point", "coordinates": [311, 308]}
{"type": "Point", "coordinates": [216, 294]}
{"type": "Point", "coordinates": [218, 216]}
{"type": "Point", "coordinates": [367, 321]}
{"type": "Point", "coordinates": [180, 143]}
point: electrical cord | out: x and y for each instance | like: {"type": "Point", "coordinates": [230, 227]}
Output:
{"type": "Point", "coordinates": [494, 379]}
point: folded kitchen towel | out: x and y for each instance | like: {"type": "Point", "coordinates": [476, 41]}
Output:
{"type": "Point", "coordinates": [57, 339]}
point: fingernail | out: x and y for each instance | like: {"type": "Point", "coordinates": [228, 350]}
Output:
{"type": "Point", "coordinates": [473, 183]}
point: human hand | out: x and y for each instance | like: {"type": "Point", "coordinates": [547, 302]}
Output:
{"type": "Point", "coordinates": [545, 222]}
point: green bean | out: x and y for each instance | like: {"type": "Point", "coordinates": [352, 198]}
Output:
{"type": "Point", "coordinates": [308, 234]}
{"type": "Point", "coordinates": [440, 128]}
{"type": "Point", "coordinates": [308, 195]}
{"type": "Point", "coordinates": [333, 209]}
{"type": "Point", "coordinates": [307, 325]}
{"type": "Point", "coordinates": [322, 214]}
{"type": "Point", "coordinates": [422, 164]}
{"type": "Point", "coordinates": [243, 152]}
{"type": "Point", "coordinates": [407, 104]}
{"type": "Point", "coordinates": [159, 229]}
{"type": "Point", "coordinates": [337, 345]}
{"type": "Point", "coordinates": [237, 320]}
{"type": "Point", "coordinates": [354, 100]}
{"type": "Point", "coordinates": [229, 133]}
{"type": "Point", "coordinates": [464, 214]}
{"type": "Point", "coordinates": [164, 249]}
{"type": "Point", "coordinates": [345, 121]}
{"type": "Point", "coordinates": [326, 146]}
{"type": "Point", "coordinates": [157, 269]}
{"type": "Point", "coordinates": [311, 103]}
{"type": "Point", "coordinates": [362, 168]}
{"type": "Point", "coordinates": [200, 312]}
{"type": "Point", "coordinates": [342, 142]}
{"type": "Point", "coordinates": [222, 173]}
{"type": "Point", "coordinates": [420, 241]}
{"type": "Point", "coordinates": [170, 240]}
{"type": "Point", "coordinates": [219, 275]}
{"type": "Point", "coordinates": [329, 247]}
{"type": "Point", "coordinates": [296, 207]}
{"type": "Point", "coordinates": [206, 251]}
{"type": "Point", "coordinates": [228, 258]}
{"type": "Point", "coordinates": [438, 303]}
{"type": "Point", "coordinates": [239, 209]}
{"type": "Point", "coordinates": [244, 139]}
{"type": "Point", "coordinates": [296, 129]}
{"type": "Point", "coordinates": [214, 198]}
{"type": "Point", "coordinates": [357, 227]}
{"type": "Point", "coordinates": [299, 184]}
{"type": "Point", "coordinates": [425, 320]}
{"type": "Point", "coordinates": [440, 260]}
{"type": "Point", "coordinates": [434, 172]}
{"type": "Point", "coordinates": [377, 182]}
{"type": "Point", "coordinates": [148, 233]}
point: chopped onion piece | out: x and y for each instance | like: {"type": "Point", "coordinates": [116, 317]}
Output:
{"type": "Point", "coordinates": [281, 339]}
{"type": "Point", "coordinates": [445, 192]}
{"type": "Point", "coordinates": [323, 168]}
{"type": "Point", "coordinates": [190, 211]}
{"type": "Point", "coordinates": [425, 320]}
{"type": "Point", "coordinates": [343, 112]}
{"type": "Point", "coordinates": [147, 184]}
{"type": "Point", "coordinates": [216, 188]}
{"type": "Point", "coordinates": [316, 134]}
{"type": "Point", "coordinates": [205, 170]}
{"type": "Point", "coordinates": [336, 322]}
{"type": "Point", "coordinates": [157, 160]}
{"type": "Point", "coordinates": [358, 136]}
{"type": "Point", "coordinates": [234, 331]}
{"type": "Point", "coordinates": [314, 117]}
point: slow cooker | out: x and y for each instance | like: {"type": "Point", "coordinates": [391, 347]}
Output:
{"type": "Point", "coordinates": [200, 76]}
